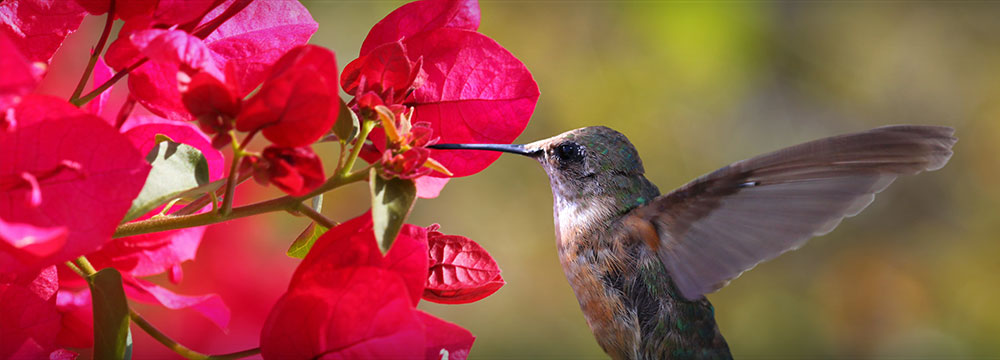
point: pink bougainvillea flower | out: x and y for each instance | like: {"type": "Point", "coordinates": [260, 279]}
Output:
{"type": "Point", "coordinates": [243, 47]}
{"type": "Point", "coordinates": [210, 306]}
{"type": "Point", "coordinates": [385, 73]}
{"type": "Point", "coordinates": [29, 320]}
{"type": "Point", "coordinates": [406, 156]}
{"type": "Point", "coordinates": [18, 75]}
{"type": "Point", "coordinates": [469, 88]}
{"type": "Point", "coordinates": [102, 72]}
{"type": "Point", "coordinates": [30, 243]}
{"type": "Point", "coordinates": [166, 12]}
{"type": "Point", "coordinates": [461, 270]}
{"type": "Point", "coordinates": [213, 103]}
{"type": "Point", "coordinates": [444, 339]}
{"type": "Point", "coordinates": [418, 17]}
{"type": "Point", "coordinates": [176, 47]}
{"type": "Point", "coordinates": [298, 103]}
{"type": "Point", "coordinates": [355, 313]}
{"type": "Point", "coordinates": [39, 27]}
{"type": "Point", "coordinates": [57, 160]}
{"type": "Point", "coordinates": [296, 171]}
{"type": "Point", "coordinates": [359, 303]}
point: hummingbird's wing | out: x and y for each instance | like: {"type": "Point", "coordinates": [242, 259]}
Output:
{"type": "Point", "coordinates": [726, 222]}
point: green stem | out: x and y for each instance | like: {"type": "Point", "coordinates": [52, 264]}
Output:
{"type": "Point", "coordinates": [279, 204]}
{"type": "Point", "coordinates": [96, 53]}
{"type": "Point", "coordinates": [85, 266]}
{"type": "Point", "coordinates": [227, 199]}
{"type": "Point", "coordinates": [181, 349]}
{"type": "Point", "coordinates": [316, 216]}
{"type": "Point", "coordinates": [118, 76]}
{"type": "Point", "coordinates": [75, 269]}
{"type": "Point", "coordinates": [366, 127]}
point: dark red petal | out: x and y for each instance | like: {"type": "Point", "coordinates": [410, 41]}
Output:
{"type": "Point", "coordinates": [257, 36]}
{"type": "Point", "coordinates": [299, 102]}
{"type": "Point", "coordinates": [296, 171]}
{"type": "Point", "coordinates": [207, 96]}
{"type": "Point", "coordinates": [386, 67]}
{"type": "Point", "coordinates": [421, 16]}
{"type": "Point", "coordinates": [154, 85]}
{"type": "Point", "coordinates": [445, 340]}
{"type": "Point", "coordinates": [461, 271]}
{"type": "Point", "coordinates": [353, 313]}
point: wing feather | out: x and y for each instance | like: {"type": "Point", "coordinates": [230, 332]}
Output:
{"type": "Point", "coordinates": [726, 222]}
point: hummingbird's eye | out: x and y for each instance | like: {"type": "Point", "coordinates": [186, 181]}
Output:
{"type": "Point", "coordinates": [569, 152]}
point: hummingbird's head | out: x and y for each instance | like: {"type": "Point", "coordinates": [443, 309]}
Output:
{"type": "Point", "coordinates": [579, 162]}
{"type": "Point", "coordinates": [586, 154]}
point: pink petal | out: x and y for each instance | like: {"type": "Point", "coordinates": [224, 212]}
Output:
{"type": "Point", "coordinates": [429, 187]}
{"type": "Point", "coordinates": [77, 318]}
{"type": "Point", "coordinates": [445, 338]}
{"type": "Point", "coordinates": [210, 306]}
{"type": "Point", "coordinates": [122, 52]}
{"type": "Point", "coordinates": [18, 76]}
{"type": "Point", "coordinates": [475, 92]}
{"type": "Point", "coordinates": [248, 43]}
{"type": "Point", "coordinates": [461, 271]}
{"type": "Point", "coordinates": [39, 27]}
{"type": "Point", "coordinates": [102, 72]}
{"type": "Point", "coordinates": [176, 47]}
{"type": "Point", "coordinates": [30, 242]}
{"type": "Point", "coordinates": [52, 136]}
{"type": "Point", "coordinates": [154, 85]}
{"type": "Point", "coordinates": [29, 320]}
{"type": "Point", "coordinates": [298, 103]}
{"type": "Point", "coordinates": [149, 254]}
{"type": "Point", "coordinates": [422, 16]}
{"type": "Point", "coordinates": [355, 313]}
{"type": "Point", "coordinates": [352, 244]}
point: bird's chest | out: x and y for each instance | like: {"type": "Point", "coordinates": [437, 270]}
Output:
{"type": "Point", "coordinates": [596, 274]}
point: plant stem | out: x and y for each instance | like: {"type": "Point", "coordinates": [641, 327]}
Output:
{"type": "Point", "coordinates": [85, 266]}
{"type": "Point", "coordinates": [227, 199]}
{"type": "Point", "coordinates": [366, 127]}
{"type": "Point", "coordinates": [277, 204]}
{"type": "Point", "coordinates": [96, 52]}
{"type": "Point", "coordinates": [181, 349]}
{"type": "Point", "coordinates": [75, 269]}
{"type": "Point", "coordinates": [316, 216]}
{"type": "Point", "coordinates": [118, 76]}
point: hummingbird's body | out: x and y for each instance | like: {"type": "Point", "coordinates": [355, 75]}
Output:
{"type": "Point", "coordinates": [623, 289]}
{"type": "Point", "coordinates": [640, 262]}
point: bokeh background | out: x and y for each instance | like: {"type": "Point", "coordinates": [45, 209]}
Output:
{"type": "Point", "coordinates": [696, 86]}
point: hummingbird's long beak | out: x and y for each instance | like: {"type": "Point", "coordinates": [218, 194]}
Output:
{"type": "Point", "coordinates": [507, 148]}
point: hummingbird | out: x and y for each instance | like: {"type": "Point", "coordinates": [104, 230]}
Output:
{"type": "Point", "coordinates": [640, 263]}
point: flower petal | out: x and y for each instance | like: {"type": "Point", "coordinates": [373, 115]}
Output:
{"type": "Point", "coordinates": [422, 16]}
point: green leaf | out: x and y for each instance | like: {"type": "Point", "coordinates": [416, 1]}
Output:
{"type": "Point", "coordinates": [112, 339]}
{"type": "Point", "coordinates": [392, 201]}
{"type": "Point", "coordinates": [302, 244]}
{"type": "Point", "coordinates": [177, 168]}
{"type": "Point", "coordinates": [346, 127]}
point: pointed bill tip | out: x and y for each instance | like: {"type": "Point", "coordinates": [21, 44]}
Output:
{"type": "Point", "coordinates": [507, 148]}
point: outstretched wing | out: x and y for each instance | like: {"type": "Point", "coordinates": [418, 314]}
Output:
{"type": "Point", "coordinates": [726, 222]}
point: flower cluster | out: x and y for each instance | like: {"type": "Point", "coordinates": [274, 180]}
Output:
{"type": "Point", "coordinates": [91, 196]}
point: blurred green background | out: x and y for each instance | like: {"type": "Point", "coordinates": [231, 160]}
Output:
{"type": "Point", "coordinates": [696, 86]}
